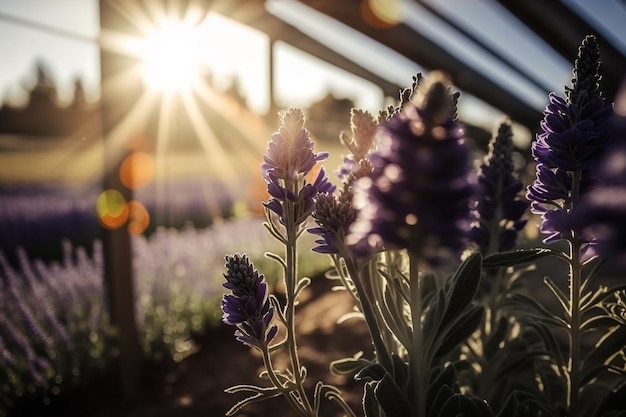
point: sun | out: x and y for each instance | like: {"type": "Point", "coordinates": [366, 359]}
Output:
{"type": "Point", "coordinates": [170, 57]}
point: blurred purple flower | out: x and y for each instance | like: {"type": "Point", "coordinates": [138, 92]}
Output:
{"type": "Point", "coordinates": [575, 132]}
{"type": "Point", "coordinates": [498, 207]}
{"type": "Point", "coordinates": [248, 306]}
{"type": "Point", "coordinates": [418, 194]}
{"type": "Point", "coordinates": [601, 215]}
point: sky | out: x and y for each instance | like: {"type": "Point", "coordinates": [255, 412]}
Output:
{"type": "Point", "coordinates": [63, 35]}
{"type": "Point", "coordinates": [66, 42]}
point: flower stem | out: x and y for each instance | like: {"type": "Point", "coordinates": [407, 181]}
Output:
{"type": "Point", "coordinates": [575, 333]}
{"type": "Point", "coordinates": [417, 367]}
{"type": "Point", "coordinates": [290, 286]}
{"type": "Point", "coordinates": [295, 405]}
{"type": "Point", "coordinates": [382, 354]}
{"type": "Point", "coordinates": [575, 278]}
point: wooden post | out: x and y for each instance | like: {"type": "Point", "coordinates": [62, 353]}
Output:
{"type": "Point", "coordinates": [118, 274]}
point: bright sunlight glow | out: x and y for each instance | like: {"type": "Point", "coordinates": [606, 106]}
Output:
{"type": "Point", "coordinates": [170, 57]}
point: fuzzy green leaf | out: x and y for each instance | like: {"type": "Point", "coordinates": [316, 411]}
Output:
{"type": "Point", "coordinates": [496, 337]}
{"type": "Point", "coordinates": [370, 405]}
{"type": "Point", "coordinates": [400, 370]}
{"type": "Point", "coordinates": [439, 388]}
{"type": "Point", "coordinates": [522, 300]}
{"type": "Point", "coordinates": [465, 406]}
{"type": "Point", "coordinates": [391, 398]}
{"type": "Point", "coordinates": [461, 288]}
{"type": "Point", "coordinates": [441, 396]}
{"type": "Point", "coordinates": [348, 366]}
{"type": "Point", "coordinates": [460, 330]}
{"type": "Point", "coordinates": [260, 395]}
{"type": "Point", "coordinates": [549, 341]}
{"type": "Point", "coordinates": [373, 372]}
{"type": "Point", "coordinates": [506, 259]}
{"type": "Point", "coordinates": [523, 404]}
{"type": "Point", "coordinates": [612, 343]}
{"type": "Point", "coordinates": [599, 321]}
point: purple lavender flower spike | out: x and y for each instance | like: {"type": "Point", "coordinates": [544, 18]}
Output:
{"type": "Point", "coordinates": [498, 208]}
{"type": "Point", "coordinates": [290, 152]}
{"type": "Point", "coordinates": [248, 306]}
{"type": "Point", "coordinates": [418, 194]}
{"type": "Point", "coordinates": [289, 159]}
{"type": "Point", "coordinates": [575, 134]}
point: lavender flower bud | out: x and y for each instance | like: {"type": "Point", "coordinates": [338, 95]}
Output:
{"type": "Point", "coordinates": [334, 216]}
{"type": "Point", "coordinates": [498, 208]}
{"type": "Point", "coordinates": [360, 144]}
{"type": "Point", "coordinates": [575, 132]}
{"type": "Point", "coordinates": [248, 306]}
{"type": "Point", "coordinates": [418, 194]}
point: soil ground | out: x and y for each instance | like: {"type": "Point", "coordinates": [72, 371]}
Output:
{"type": "Point", "coordinates": [195, 386]}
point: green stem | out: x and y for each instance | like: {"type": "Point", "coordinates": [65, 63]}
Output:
{"type": "Point", "coordinates": [382, 354]}
{"type": "Point", "coordinates": [417, 367]}
{"type": "Point", "coordinates": [290, 286]}
{"type": "Point", "coordinates": [575, 333]}
{"type": "Point", "coordinates": [575, 279]}
{"type": "Point", "coordinates": [295, 405]}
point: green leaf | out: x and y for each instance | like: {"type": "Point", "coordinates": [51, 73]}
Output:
{"type": "Point", "coordinates": [523, 404]}
{"type": "Point", "coordinates": [599, 321]}
{"type": "Point", "coordinates": [442, 395]}
{"type": "Point", "coordinates": [522, 300]}
{"type": "Point", "coordinates": [434, 318]}
{"type": "Point", "coordinates": [400, 371]}
{"type": "Point", "coordinates": [461, 288]}
{"type": "Point", "coordinates": [348, 366]}
{"type": "Point", "coordinates": [609, 345]}
{"type": "Point", "coordinates": [563, 300]}
{"type": "Point", "coordinates": [460, 330]}
{"type": "Point", "coordinates": [391, 398]}
{"type": "Point", "coordinates": [614, 404]}
{"type": "Point", "coordinates": [370, 405]}
{"type": "Point", "coordinates": [435, 397]}
{"type": "Point", "coordinates": [518, 360]}
{"type": "Point", "coordinates": [496, 337]}
{"type": "Point", "coordinates": [506, 259]}
{"type": "Point", "coordinates": [549, 340]}
{"type": "Point", "coordinates": [373, 372]}
{"type": "Point", "coordinates": [260, 395]}
{"type": "Point", "coordinates": [465, 406]}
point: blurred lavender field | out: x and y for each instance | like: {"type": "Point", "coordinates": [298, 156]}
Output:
{"type": "Point", "coordinates": [55, 333]}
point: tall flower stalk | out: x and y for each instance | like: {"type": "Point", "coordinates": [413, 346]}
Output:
{"type": "Point", "coordinates": [412, 208]}
{"type": "Point", "coordinates": [574, 135]}
{"type": "Point", "coordinates": [288, 162]}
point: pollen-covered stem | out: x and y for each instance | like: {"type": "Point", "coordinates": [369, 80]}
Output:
{"type": "Point", "coordinates": [290, 286]}
{"type": "Point", "coordinates": [575, 279]}
{"type": "Point", "coordinates": [417, 368]}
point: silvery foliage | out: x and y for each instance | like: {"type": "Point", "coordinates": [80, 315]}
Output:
{"type": "Point", "coordinates": [476, 341]}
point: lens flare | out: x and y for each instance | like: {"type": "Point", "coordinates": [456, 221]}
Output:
{"type": "Point", "coordinates": [138, 219]}
{"type": "Point", "coordinates": [137, 170]}
{"type": "Point", "coordinates": [112, 209]}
